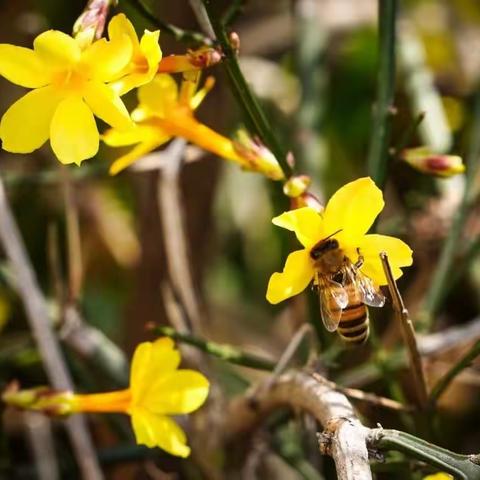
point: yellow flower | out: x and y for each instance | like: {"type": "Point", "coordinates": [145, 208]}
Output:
{"type": "Point", "coordinates": [438, 476]}
{"type": "Point", "coordinates": [165, 111]}
{"type": "Point", "coordinates": [157, 390]}
{"type": "Point", "coordinates": [347, 217]}
{"type": "Point", "coordinates": [146, 54]}
{"type": "Point", "coordinates": [69, 88]}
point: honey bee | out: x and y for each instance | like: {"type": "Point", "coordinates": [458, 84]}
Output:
{"type": "Point", "coordinates": [344, 291]}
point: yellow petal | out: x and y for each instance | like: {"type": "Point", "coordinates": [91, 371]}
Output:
{"type": "Point", "coordinates": [120, 25]}
{"type": "Point", "coordinates": [159, 431]}
{"type": "Point", "coordinates": [353, 208]}
{"type": "Point", "coordinates": [137, 134]}
{"type": "Point", "coordinates": [105, 60]}
{"type": "Point", "coordinates": [107, 105]}
{"type": "Point", "coordinates": [179, 392]}
{"type": "Point", "coordinates": [399, 255]}
{"type": "Point", "coordinates": [145, 65]}
{"type": "Point", "coordinates": [73, 132]}
{"type": "Point", "coordinates": [22, 66]}
{"type": "Point", "coordinates": [25, 126]}
{"type": "Point", "coordinates": [150, 360]}
{"type": "Point", "coordinates": [305, 222]}
{"type": "Point", "coordinates": [135, 154]}
{"type": "Point", "coordinates": [57, 49]}
{"type": "Point", "coordinates": [296, 276]}
{"type": "Point", "coordinates": [160, 95]}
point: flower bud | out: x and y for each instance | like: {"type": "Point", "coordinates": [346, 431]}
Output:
{"type": "Point", "coordinates": [194, 60]}
{"type": "Point", "coordinates": [296, 185]}
{"type": "Point", "coordinates": [91, 23]}
{"type": "Point", "coordinates": [40, 399]}
{"type": "Point", "coordinates": [306, 199]}
{"type": "Point", "coordinates": [426, 161]}
{"type": "Point", "coordinates": [256, 156]}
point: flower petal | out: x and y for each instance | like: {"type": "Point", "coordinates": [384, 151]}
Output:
{"type": "Point", "coordinates": [150, 360]}
{"type": "Point", "coordinates": [305, 222]}
{"type": "Point", "coordinates": [146, 64]}
{"type": "Point", "coordinates": [120, 25]}
{"type": "Point", "coordinates": [159, 431]}
{"type": "Point", "coordinates": [106, 60]}
{"type": "Point", "coordinates": [22, 66]}
{"type": "Point", "coordinates": [25, 126]}
{"type": "Point", "coordinates": [353, 208]}
{"type": "Point", "coordinates": [107, 105]}
{"type": "Point", "coordinates": [135, 154]}
{"type": "Point", "coordinates": [399, 255]}
{"type": "Point", "coordinates": [57, 49]}
{"type": "Point", "coordinates": [179, 392]}
{"type": "Point", "coordinates": [296, 275]}
{"type": "Point", "coordinates": [159, 96]}
{"type": "Point", "coordinates": [73, 132]}
{"type": "Point", "coordinates": [138, 133]}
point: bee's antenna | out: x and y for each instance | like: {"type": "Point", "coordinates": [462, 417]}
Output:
{"type": "Point", "coordinates": [332, 234]}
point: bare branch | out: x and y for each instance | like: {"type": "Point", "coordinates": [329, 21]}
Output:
{"type": "Point", "coordinates": [345, 436]}
{"type": "Point", "coordinates": [408, 335]}
{"type": "Point", "coordinates": [40, 324]}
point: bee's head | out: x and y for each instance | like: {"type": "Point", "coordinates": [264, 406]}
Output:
{"type": "Point", "coordinates": [323, 246]}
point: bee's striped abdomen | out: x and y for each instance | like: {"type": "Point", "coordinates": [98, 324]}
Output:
{"type": "Point", "coordinates": [354, 325]}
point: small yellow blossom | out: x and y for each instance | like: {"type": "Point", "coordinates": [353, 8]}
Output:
{"type": "Point", "coordinates": [426, 161]}
{"type": "Point", "coordinates": [158, 389]}
{"type": "Point", "coordinates": [146, 54]}
{"type": "Point", "coordinates": [165, 111]}
{"type": "Point", "coordinates": [69, 87]}
{"type": "Point", "coordinates": [347, 217]}
{"type": "Point", "coordinates": [439, 476]}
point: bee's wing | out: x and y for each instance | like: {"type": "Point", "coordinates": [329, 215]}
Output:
{"type": "Point", "coordinates": [333, 299]}
{"type": "Point", "coordinates": [369, 293]}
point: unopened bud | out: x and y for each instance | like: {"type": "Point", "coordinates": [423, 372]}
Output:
{"type": "Point", "coordinates": [234, 42]}
{"type": "Point", "coordinates": [296, 185]}
{"type": "Point", "coordinates": [91, 23]}
{"type": "Point", "coordinates": [204, 57]}
{"type": "Point", "coordinates": [426, 161]}
{"type": "Point", "coordinates": [40, 399]}
{"type": "Point", "coordinates": [256, 156]}
{"type": "Point", "coordinates": [306, 199]}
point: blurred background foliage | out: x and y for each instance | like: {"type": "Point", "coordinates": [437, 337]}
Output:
{"type": "Point", "coordinates": [313, 63]}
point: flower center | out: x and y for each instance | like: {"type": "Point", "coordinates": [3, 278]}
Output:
{"type": "Point", "coordinates": [70, 80]}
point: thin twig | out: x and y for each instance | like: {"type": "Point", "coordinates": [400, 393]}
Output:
{"type": "Point", "coordinates": [448, 378]}
{"type": "Point", "coordinates": [408, 335]}
{"type": "Point", "coordinates": [40, 324]}
{"type": "Point", "coordinates": [175, 238]}
{"type": "Point", "coordinates": [344, 436]}
{"type": "Point", "coordinates": [407, 135]}
{"type": "Point", "coordinates": [460, 466]}
{"type": "Point", "coordinates": [223, 351]}
{"type": "Point", "coordinates": [39, 431]}
{"type": "Point", "coordinates": [378, 155]}
{"type": "Point", "coordinates": [246, 99]}
{"type": "Point", "coordinates": [437, 291]}
{"type": "Point", "coordinates": [366, 396]}
{"type": "Point", "coordinates": [178, 33]}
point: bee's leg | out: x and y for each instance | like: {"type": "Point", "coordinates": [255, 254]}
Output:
{"type": "Point", "coordinates": [360, 259]}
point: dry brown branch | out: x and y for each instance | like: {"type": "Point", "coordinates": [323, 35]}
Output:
{"type": "Point", "coordinates": [344, 436]}
{"type": "Point", "coordinates": [408, 335]}
{"type": "Point", "coordinates": [365, 396]}
{"type": "Point", "coordinates": [173, 227]}
{"type": "Point", "coordinates": [40, 437]}
{"type": "Point", "coordinates": [41, 327]}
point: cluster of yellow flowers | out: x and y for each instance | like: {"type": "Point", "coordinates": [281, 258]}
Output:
{"type": "Point", "coordinates": [74, 81]}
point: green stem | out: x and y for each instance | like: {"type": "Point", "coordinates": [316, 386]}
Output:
{"type": "Point", "coordinates": [378, 155]}
{"type": "Point", "coordinates": [225, 352]}
{"type": "Point", "coordinates": [178, 33]}
{"type": "Point", "coordinates": [234, 9]}
{"type": "Point", "coordinates": [437, 292]}
{"type": "Point", "coordinates": [463, 363]}
{"type": "Point", "coordinates": [460, 466]}
{"type": "Point", "coordinates": [247, 100]}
